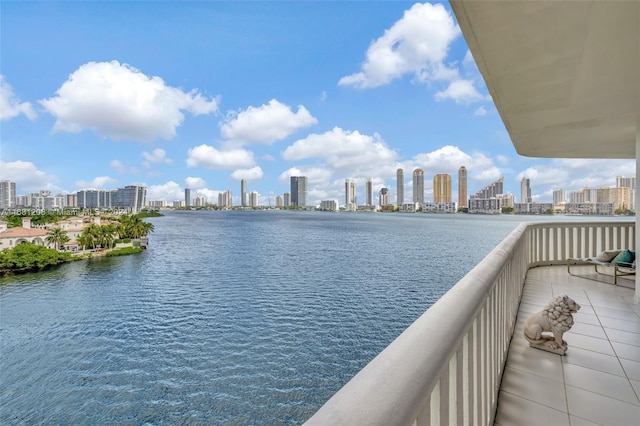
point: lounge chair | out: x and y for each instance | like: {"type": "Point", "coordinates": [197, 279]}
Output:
{"type": "Point", "coordinates": [623, 263]}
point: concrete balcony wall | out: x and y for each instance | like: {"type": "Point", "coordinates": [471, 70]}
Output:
{"type": "Point", "coordinates": [447, 366]}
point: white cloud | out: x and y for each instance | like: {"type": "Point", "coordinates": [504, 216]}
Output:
{"type": "Point", "coordinates": [169, 192]}
{"type": "Point", "coordinates": [480, 112]}
{"type": "Point", "coordinates": [462, 92]}
{"type": "Point", "coordinates": [347, 151]}
{"type": "Point", "coordinates": [416, 44]}
{"type": "Point", "coordinates": [315, 175]}
{"type": "Point", "coordinates": [576, 174]}
{"type": "Point", "coordinates": [100, 182]}
{"type": "Point", "coordinates": [252, 174]}
{"type": "Point", "coordinates": [118, 166]}
{"type": "Point", "coordinates": [195, 182]}
{"type": "Point", "coordinates": [10, 105]}
{"type": "Point", "coordinates": [208, 156]}
{"type": "Point", "coordinates": [264, 124]}
{"type": "Point", "coordinates": [158, 155]}
{"type": "Point", "coordinates": [119, 102]}
{"type": "Point", "coordinates": [27, 176]}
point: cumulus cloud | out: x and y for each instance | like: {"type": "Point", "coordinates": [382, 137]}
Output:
{"type": "Point", "coordinates": [26, 175]}
{"type": "Point", "coordinates": [252, 174]}
{"type": "Point", "coordinates": [264, 124]}
{"type": "Point", "coordinates": [462, 92]}
{"type": "Point", "coordinates": [119, 102]}
{"type": "Point", "coordinates": [480, 112]}
{"type": "Point", "coordinates": [100, 182]}
{"type": "Point", "coordinates": [195, 182]}
{"type": "Point", "coordinates": [315, 175]}
{"type": "Point", "coordinates": [208, 156]}
{"type": "Point", "coordinates": [344, 150]}
{"type": "Point", "coordinates": [10, 105]}
{"type": "Point", "coordinates": [416, 44]}
{"type": "Point", "coordinates": [158, 155]}
{"type": "Point", "coordinates": [122, 168]}
{"type": "Point", "coordinates": [576, 174]}
{"type": "Point", "coordinates": [169, 192]}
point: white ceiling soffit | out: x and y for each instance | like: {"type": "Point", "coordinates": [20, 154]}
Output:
{"type": "Point", "coordinates": [564, 75]}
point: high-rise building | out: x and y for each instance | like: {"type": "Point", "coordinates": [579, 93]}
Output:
{"type": "Point", "coordinates": [187, 197]}
{"type": "Point", "coordinates": [491, 190]}
{"type": "Point", "coordinates": [626, 182]}
{"type": "Point", "coordinates": [200, 201]}
{"type": "Point", "coordinates": [253, 199]}
{"type": "Point", "coordinates": [7, 194]}
{"type": "Point", "coordinates": [132, 197]}
{"type": "Point", "coordinates": [559, 197]}
{"type": "Point", "coordinates": [418, 186]}
{"type": "Point", "coordinates": [286, 199]}
{"type": "Point", "coordinates": [369, 192]}
{"type": "Point", "coordinates": [400, 187]}
{"type": "Point", "coordinates": [243, 193]}
{"type": "Point", "coordinates": [299, 191]}
{"type": "Point", "coordinates": [525, 190]}
{"type": "Point", "coordinates": [279, 202]}
{"type": "Point", "coordinates": [442, 188]}
{"type": "Point", "coordinates": [384, 197]}
{"type": "Point", "coordinates": [225, 199]}
{"type": "Point", "coordinates": [462, 187]}
{"type": "Point", "coordinates": [350, 197]}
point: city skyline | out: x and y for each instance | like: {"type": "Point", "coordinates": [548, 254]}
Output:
{"type": "Point", "coordinates": [227, 95]}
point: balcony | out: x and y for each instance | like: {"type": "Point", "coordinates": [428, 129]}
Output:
{"type": "Point", "coordinates": [464, 361]}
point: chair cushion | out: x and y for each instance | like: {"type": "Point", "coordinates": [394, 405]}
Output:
{"type": "Point", "coordinates": [625, 257]}
{"type": "Point", "coordinates": [607, 255]}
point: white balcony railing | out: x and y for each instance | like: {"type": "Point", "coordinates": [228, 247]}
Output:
{"type": "Point", "coordinates": [446, 368]}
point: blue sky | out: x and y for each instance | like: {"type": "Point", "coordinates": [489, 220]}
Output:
{"type": "Point", "coordinates": [202, 94]}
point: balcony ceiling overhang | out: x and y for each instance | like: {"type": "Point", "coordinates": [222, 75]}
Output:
{"type": "Point", "coordinates": [564, 75]}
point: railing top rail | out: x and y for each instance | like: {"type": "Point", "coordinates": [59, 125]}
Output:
{"type": "Point", "coordinates": [391, 388]}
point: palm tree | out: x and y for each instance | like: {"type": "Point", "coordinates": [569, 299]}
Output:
{"type": "Point", "coordinates": [107, 235]}
{"type": "Point", "coordinates": [57, 237]}
{"type": "Point", "coordinates": [137, 228]}
{"type": "Point", "coordinates": [90, 236]}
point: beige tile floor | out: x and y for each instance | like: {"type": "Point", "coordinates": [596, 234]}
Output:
{"type": "Point", "coordinates": [598, 381]}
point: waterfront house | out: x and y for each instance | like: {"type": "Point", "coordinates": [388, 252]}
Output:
{"type": "Point", "coordinates": [565, 79]}
{"type": "Point", "coordinates": [10, 237]}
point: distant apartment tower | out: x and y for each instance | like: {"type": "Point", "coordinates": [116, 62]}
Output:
{"type": "Point", "coordinates": [187, 197]}
{"type": "Point", "coordinates": [369, 192]}
{"type": "Point", "coordinates": [225, 199]}
{"type": "Point", "coordinates": [279, 201]}
{"type": "Point", "coordinates": [525, 190]}
{"type": "Point", "coordinates": [384, 197]}
{"type": "Point", "coordinates": [200, 201]}
{"type": "Point", "coordinates": [442, 188]}
{"type": "Point", "coordinates": [492, 190]}
{"type": "Point", "coordinates": [418, 186]}
{"type": "Point", "coordinates": [243, 192]}
{"type": "Point", "coordinates": [299, 191]}
{"type": "Point", "coordinates": [253, 199]}
{"type": "Point", "coordinates": [559, 197]}
{"type": "Point", "coordinates": [132, 197]}
{"type": "Point", "coordinates": [626, 182]}
{"type": "Point", "coordinates": [350, 197]}
{"type": "Point", "coordinates": [286, 199]}
{"type": "Point", "coordinates": [400, 187]}
{"type": "Point", "coordinates": [7, 194]}
{"type": "Point", "coordinates": [462, 187]}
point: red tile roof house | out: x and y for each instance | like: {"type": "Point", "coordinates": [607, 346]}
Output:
{"type": "Point", "coordinates": [10, 237]}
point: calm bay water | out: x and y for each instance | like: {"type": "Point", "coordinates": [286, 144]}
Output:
{"type": "Point", "coordinates": [228, 318]}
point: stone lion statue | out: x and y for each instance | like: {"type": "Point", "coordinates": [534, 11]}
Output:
{"type": "Point", "coordinates": [555, 318]}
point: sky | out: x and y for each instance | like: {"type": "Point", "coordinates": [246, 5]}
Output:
{"type": "Point", "coordinates": [200, 95]}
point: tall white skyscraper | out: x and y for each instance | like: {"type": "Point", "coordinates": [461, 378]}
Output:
{"type": "Point", "coordinates": [243, 193]}
{"type": "Point", "coordinates": [7, 194]}
{"type": "Point", "coordinates": [525, 190]}
{"type": "Point", "coordinates": [400, 187]}
{"type": "Point", "coordinates": [350, 198]}
{"type": "Point", "coordinates": [299, 191]}
{"type": "Point", "coordinates": [369, 192]}
{"type": "Point", "coordinates": [418, 186]}
{"type": "Point", "coordinates": [559, 197]}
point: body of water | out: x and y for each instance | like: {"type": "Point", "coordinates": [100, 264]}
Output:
{"type": "Point", "coordinates": [229, 317]}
